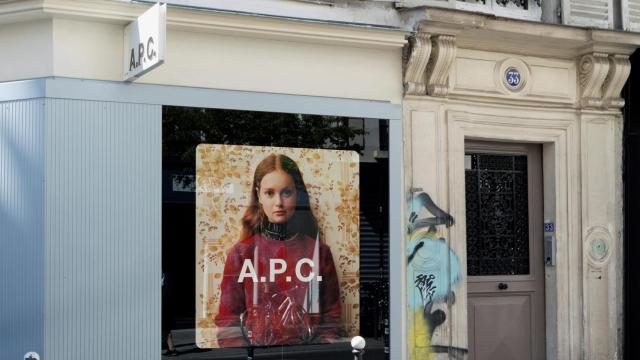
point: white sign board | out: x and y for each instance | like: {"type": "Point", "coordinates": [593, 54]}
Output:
{"type": "Point", "coordinates": [145, 42]}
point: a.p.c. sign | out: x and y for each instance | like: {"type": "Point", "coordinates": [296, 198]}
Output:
{"type": "Point", "coordinates": [145, 42]}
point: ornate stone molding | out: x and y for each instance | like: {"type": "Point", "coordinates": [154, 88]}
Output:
{"type": "Point", "coordinates": [429, 63]}
{"type": "Point", "coordinates": [593, 69]}
{"type": "Point", "coordinates": [619, 68]}
{"type": "Point", "coordinates": [420, 50]}
{"type": "Point", "coordinates": [442, 56]}
{"type": "Point", "coordinates": [602, 77]}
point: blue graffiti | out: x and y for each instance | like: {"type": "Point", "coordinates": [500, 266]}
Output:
{"type": "Point", "coordinates": [432, 256]}
{"type": "Point", "coordinates": [436, 266]}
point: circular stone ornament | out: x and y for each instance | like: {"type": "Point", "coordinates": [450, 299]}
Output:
{"type": "Point", "coordinates": [599, 249]}
{"type": "Point", "coordinates": [598, 246]}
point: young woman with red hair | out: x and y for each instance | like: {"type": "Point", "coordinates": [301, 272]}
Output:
{"type": "Point", "coordinates": [279, 283]}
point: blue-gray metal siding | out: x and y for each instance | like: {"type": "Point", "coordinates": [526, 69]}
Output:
{"type": "Point", "coordinates": [21, 228]}
{"type": "Point", "coordinates": [103, 167]}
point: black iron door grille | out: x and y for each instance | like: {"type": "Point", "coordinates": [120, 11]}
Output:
{"type": "Point", "coordinates": [497, 215]}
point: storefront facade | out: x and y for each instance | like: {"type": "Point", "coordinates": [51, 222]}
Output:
{"type": "Point", "coordinates": [82, 152]}
{"type": "Point", "coordinates": [85, 199]}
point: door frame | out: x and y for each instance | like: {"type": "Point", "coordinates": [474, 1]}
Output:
{"type": "Point", "coordinates": [559, 138]}
{"type": "Point", "coordinates": [535, 208]}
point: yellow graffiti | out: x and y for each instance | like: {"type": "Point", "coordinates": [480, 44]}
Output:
{"type": "Point", "coordinates": [419, 336]}
{"type": "Point", "coordinates": [422, 234]}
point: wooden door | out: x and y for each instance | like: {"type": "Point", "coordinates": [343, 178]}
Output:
{"type": "Point", "coordinates": [505, 265]}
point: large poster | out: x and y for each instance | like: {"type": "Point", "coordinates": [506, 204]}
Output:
{"type": "Point", "coordinates": [277, 245]}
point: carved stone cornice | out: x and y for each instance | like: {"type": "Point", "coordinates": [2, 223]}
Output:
{"type": "Point", "coordinates": [442, 56]}
{"type": "Point", "coordinates": [593, 69]}
{"type": "Point", "coordinates": [619, 68]}
{"type": "Point", "coordinates": [602, 77]}
{"type": "Point", "coordinates": [420, 50]}
{"type": "Point", "coordinates": [429, 63]}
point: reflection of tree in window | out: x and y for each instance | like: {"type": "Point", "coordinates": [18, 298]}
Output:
{"type": "Point", "coordinates": [184, 128]}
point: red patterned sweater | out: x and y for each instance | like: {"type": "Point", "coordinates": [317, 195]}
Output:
{"type": "Point", "coordinates": [288, 310]}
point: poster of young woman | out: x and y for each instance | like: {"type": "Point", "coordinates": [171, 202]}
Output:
{"type": "Point", "coordinates": [277, 232]}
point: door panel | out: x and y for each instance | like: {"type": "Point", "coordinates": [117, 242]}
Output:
{"type": "Point", "coordinates": [505, 283]}
{"type": "Point", "coordinates": [501, 326]}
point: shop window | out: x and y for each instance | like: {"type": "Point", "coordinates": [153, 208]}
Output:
{"type": "Point", "coordinates": [202, 142]}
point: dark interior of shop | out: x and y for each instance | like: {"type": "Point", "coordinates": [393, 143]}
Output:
{"type": "Point", "coordinates": [185, 128]}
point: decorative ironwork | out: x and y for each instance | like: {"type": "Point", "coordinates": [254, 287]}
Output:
{"type": "Point", "coordinates": [519, 3]}
{"type": "Point", "coordinates": [474, 1]}
{"type": "Point", "coordinates": [497, 215]}
{"type": "Point", "coordinates": [522, 4]}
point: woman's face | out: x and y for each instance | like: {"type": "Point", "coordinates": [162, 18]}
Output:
{"type": "Point", "coordinates": [277, 195]}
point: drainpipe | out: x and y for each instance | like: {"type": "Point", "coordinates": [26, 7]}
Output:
{"type": "Point", "coordinates": [551, 11]}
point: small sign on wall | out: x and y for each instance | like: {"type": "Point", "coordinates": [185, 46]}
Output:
{"type": "Point", "coordinates": [512, 77]}
{"type": "Point", "coordinates": [145, 42]}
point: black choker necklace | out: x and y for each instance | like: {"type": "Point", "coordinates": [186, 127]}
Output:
{"type": "Point", "coordinates": [275, 231]}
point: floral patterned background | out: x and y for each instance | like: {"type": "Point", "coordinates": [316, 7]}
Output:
{"type": "Point", "coordinates": [223, 180]}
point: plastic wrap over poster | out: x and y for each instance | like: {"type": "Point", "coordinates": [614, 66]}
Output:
{"type": "Point", "coordinates": [277, 232]}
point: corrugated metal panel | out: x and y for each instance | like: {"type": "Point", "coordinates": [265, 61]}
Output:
{"type": "Point", "coordinates": [103, 224]}
{"type": "Point", "coordinates": [21, 228]}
